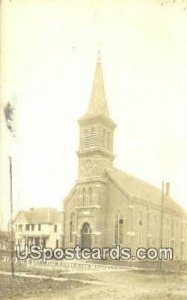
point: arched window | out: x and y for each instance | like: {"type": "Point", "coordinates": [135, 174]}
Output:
{"type": "Point", "coordinates": [116, 230]}
{"type": "Point", "coordinates": [120, 230]}
{"type": "Point", "coordinates": [83, 197]}
{"type": "Point", "coordinates": [166, 233]}
{"type": "Point", "coordinates": [140, 224]}
{"type": "Point", "coordinates": [86, 228]}
{"type": "Point", "coordinates": [86, 139]}
{"type": "Point", "coordinates": [104, 138]}
{"type": "Point", "coordinates": [154, 230]}
{"type": "Point", "coordinates": [86, 236]}
{"type": "Point", "coordinates": [90, 196]}
{"type": "Point", "coordinates": [71, 229]}
{"type": "Point", "coordinates": [108, 140]}
{"type": "Point", "coordinates": [93, 136]}
{"type": "Point", "coordinates": [119, 222]}
{"type": "Point", "coordinates": [173, 232]}
{"type": "Point", "coordinates": [80, 198]}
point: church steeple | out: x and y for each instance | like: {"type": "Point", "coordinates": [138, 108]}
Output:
{"type": "Point", "coordinates": [96, 132]}
{"type": "Point", "coordinates": [98, 103]}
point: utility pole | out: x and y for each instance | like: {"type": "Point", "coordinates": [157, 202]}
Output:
{"type": "Point", "coordinates": [10, 122]}
{"type": "Point", "coordinates": [161, 223]}
{"type": "Point", "coordinates": [11, 217]}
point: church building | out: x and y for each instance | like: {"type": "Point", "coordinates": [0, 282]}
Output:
{"type": "Point", "coordinates": [108, 207]}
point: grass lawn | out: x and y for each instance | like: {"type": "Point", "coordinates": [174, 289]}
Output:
{"type": "Point", "coordinates": [123, 285]}
{"type": "Point", "coordinates": [25, 288]}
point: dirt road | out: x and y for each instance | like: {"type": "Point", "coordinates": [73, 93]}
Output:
{"type": "Point", "coordinates": [118, 286]}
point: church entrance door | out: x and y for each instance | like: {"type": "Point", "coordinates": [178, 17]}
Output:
{"type": "Point", "coordinates": [86, 235]}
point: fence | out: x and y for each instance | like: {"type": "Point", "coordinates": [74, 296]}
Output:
{"type": "Point", "coordinates": [68, 266]}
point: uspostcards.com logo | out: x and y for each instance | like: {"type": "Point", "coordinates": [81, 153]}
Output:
{"type": "Point", "coordinates": [36, 252]}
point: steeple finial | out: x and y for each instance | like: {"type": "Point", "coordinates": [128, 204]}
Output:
{"type": "Point", "coordinates": [98, 56]}
{"type": "Point", "coordinates": [98, 104]}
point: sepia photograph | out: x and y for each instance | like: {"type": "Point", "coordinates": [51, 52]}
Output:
{"type": "Point", "coordinates": [93, 149]}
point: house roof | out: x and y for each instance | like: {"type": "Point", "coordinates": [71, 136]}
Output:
{"type": "Point", "coordinates": [139, 189]}
{"type": "Point", "coordinates": [5, 235]}
{"type": "Point", "coordinates": [41, 215]}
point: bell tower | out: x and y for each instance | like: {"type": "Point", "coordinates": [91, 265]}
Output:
{"type": "Point", "coordinates": [86, 205]}
{"type": "Point", "coordinates": [96, 133]}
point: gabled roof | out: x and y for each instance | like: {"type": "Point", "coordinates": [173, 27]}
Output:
{"type": "Point", "coordinates": [139, 189]}
{"type": "Point", "coordinates": [40, 215]}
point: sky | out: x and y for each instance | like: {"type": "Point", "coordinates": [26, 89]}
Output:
{"type": "Point", "coordinates": [48, 57]}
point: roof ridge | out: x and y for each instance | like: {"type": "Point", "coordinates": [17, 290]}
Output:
{"type": "Point", "coordinates": [139, 186]}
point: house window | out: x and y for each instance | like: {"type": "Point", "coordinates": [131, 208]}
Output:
{"type": "Point", "coordinates": [27, 227]}
{"type": "Point", "coordinates": [19, 241]}
{"type": "Point", "coordinates": [39, 227]}
{"type": "Point", "coordinates": [20, 227]}
{"type": "Point", "coordinates": [43, 242]}
{"type": "Point", "coordinates": [32, 227]}
{"type": "Point", "coordinates": [55, 228]}
{"type": "Point", "coordinates": [37, 241]}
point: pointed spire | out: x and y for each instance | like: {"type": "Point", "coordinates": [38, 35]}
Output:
{"type": "Point", "coordinates": [98, 103]}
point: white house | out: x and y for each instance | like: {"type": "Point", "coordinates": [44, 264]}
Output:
{"type": "Point", "coordinates": [40, 226]}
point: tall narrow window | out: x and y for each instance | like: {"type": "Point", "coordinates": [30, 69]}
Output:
{"type": "Point", "coordinates": [83, 197]}
{"type": "Point", "coordinates": [90, 195]}
{"type": "Point", "coordinates": [120, 231]}
{"type": "Point", "coordinates": [80, 199]}
{"type": "Point", "coordinates": [86, 138]}
{"type": "Point", "coordinates": [93, 135]}
{"type": "Point", "coordinates": [108, 141]}
{"type": "Point", "coordinates": [116, 230]}
{"type": "Point", "coordinates": [167, 233]}
{"type": "Point", "coordinates": [20, 227]}
{"type": "Point", "coordinates": [71, 230]}
{"type": "Point", "coordinates": [154, 230]}
{"type": "Point", "coordinates": [104, 138]}
{"type": "Point", "coordinates": [140, 224]}
{"type": "Point", "coordinates": [44, 242]}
